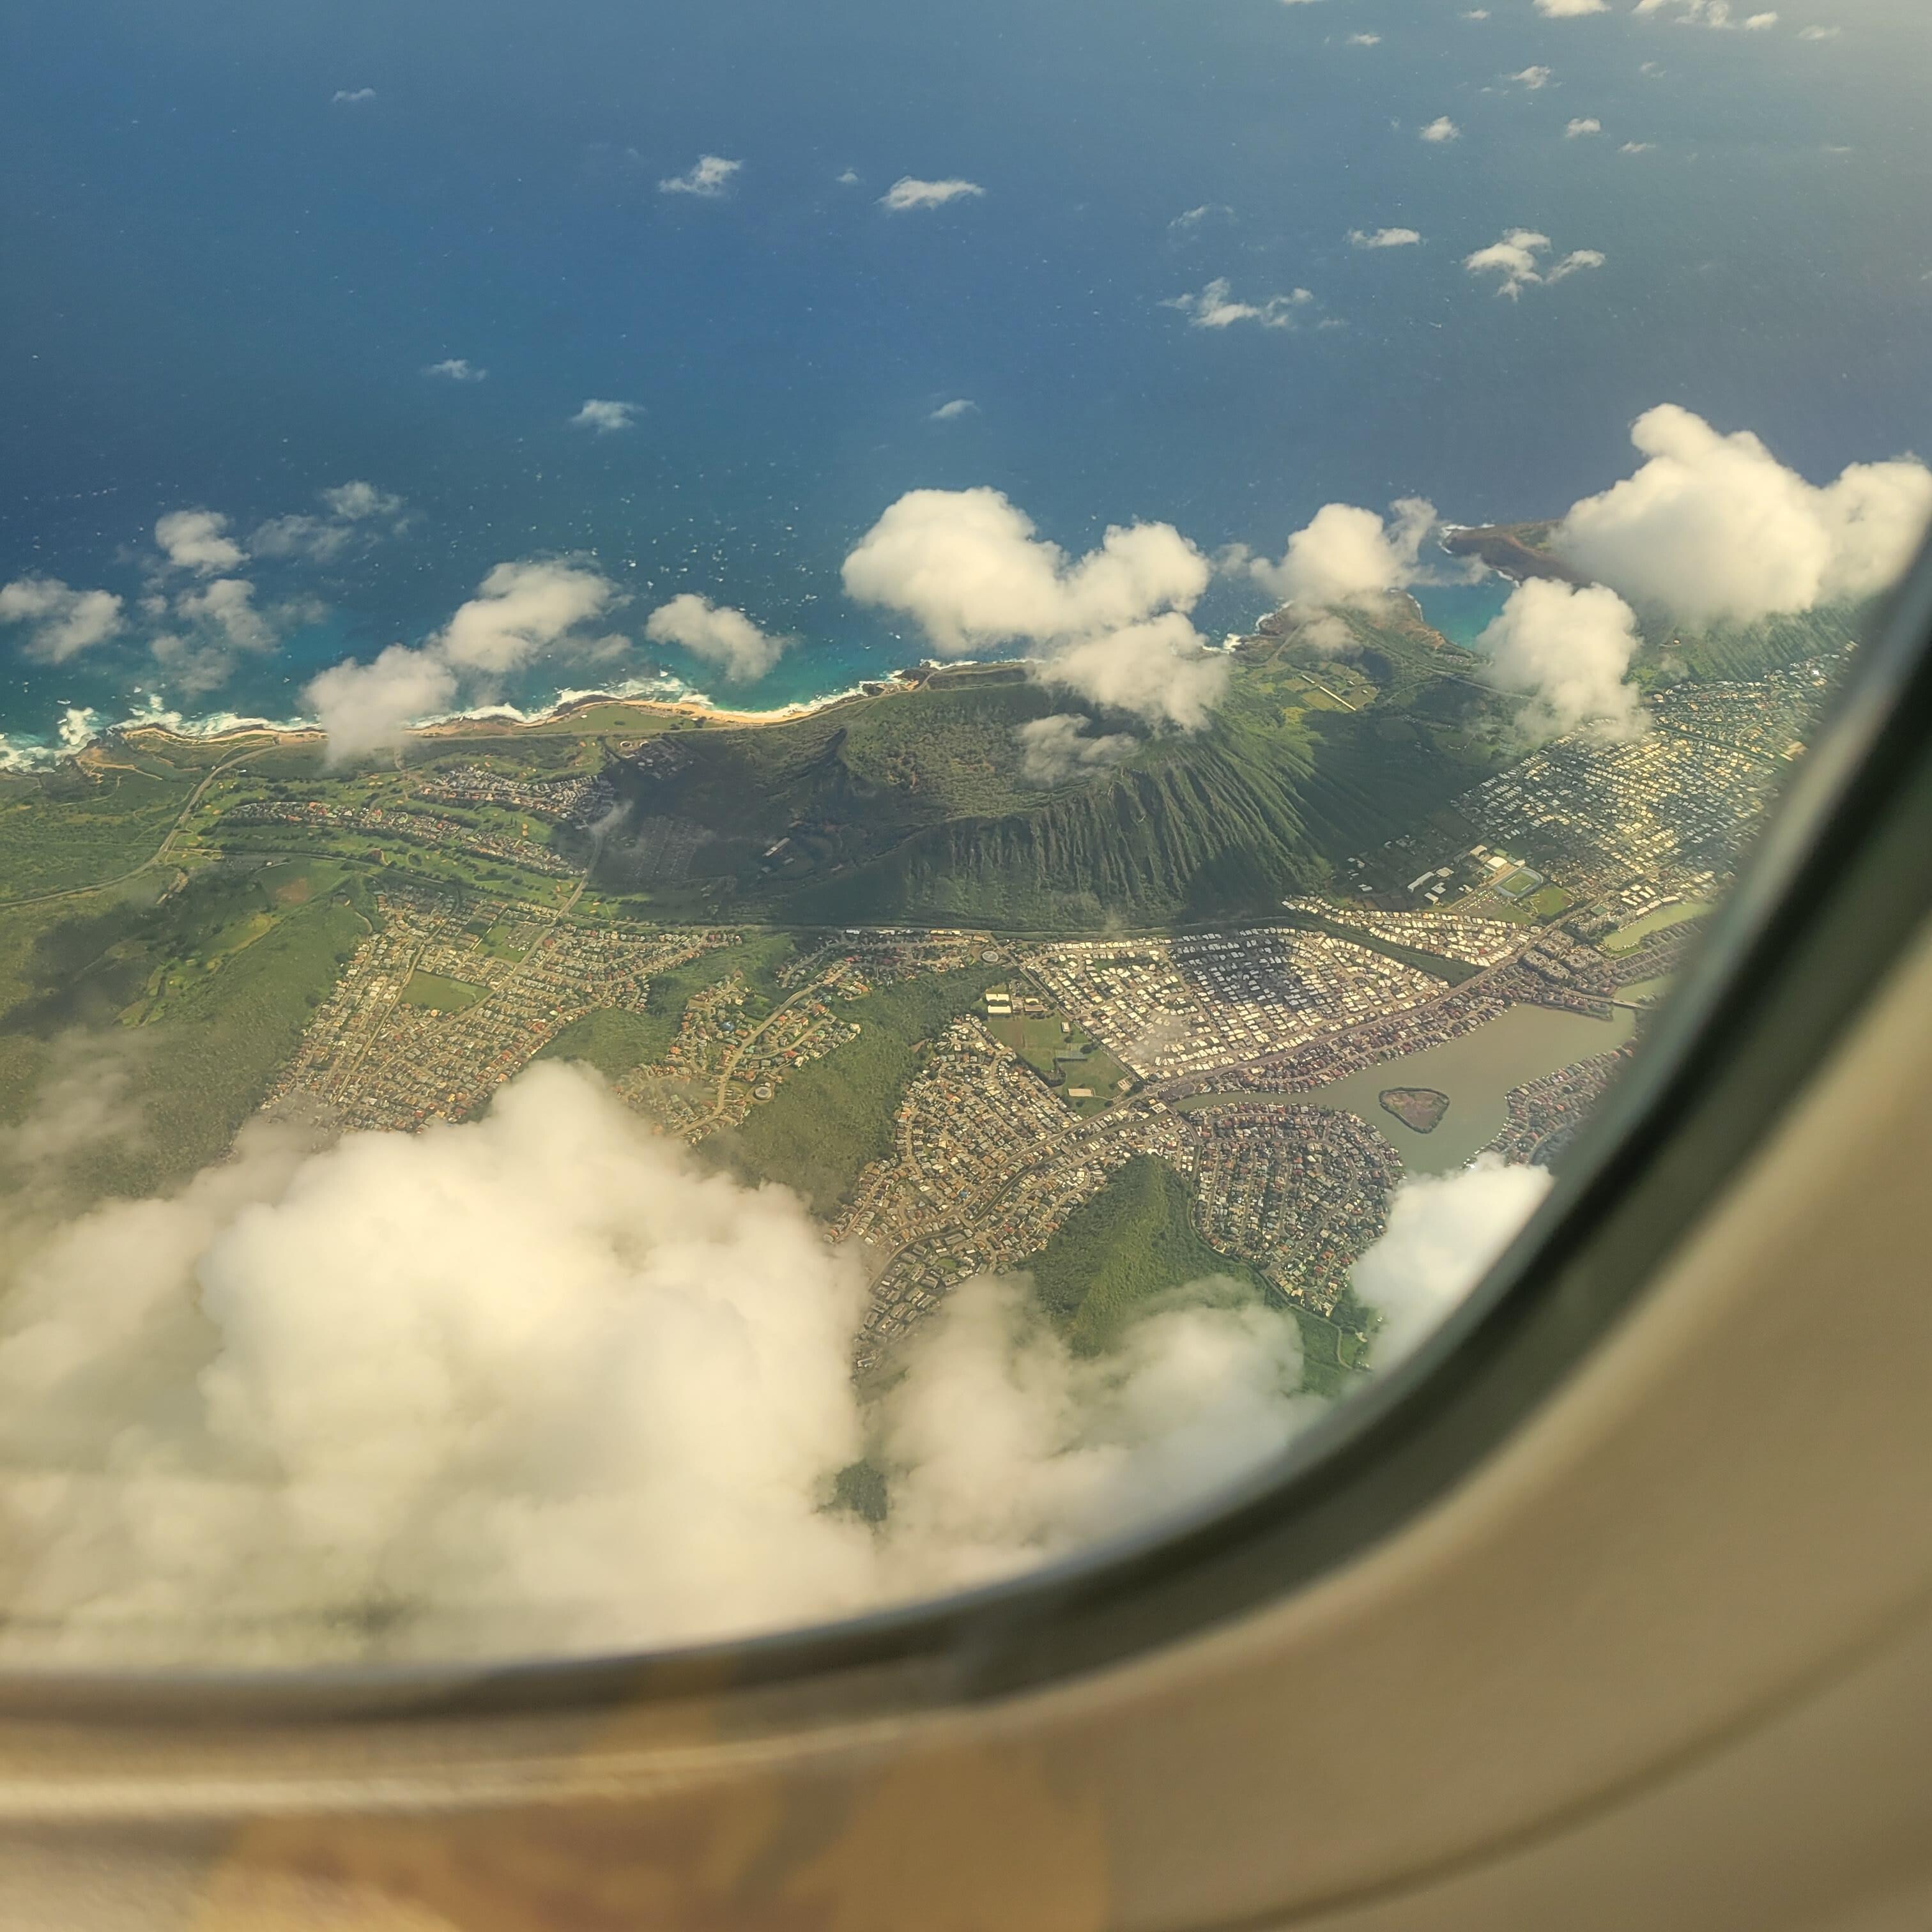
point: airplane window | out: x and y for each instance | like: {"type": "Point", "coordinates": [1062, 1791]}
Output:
{"type": "Point", "coordinates": [799, 806]}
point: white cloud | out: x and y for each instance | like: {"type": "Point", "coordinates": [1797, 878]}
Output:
{"type": "Point", "coordinates": [356, 502]}
{"type": "Point", "coordinates": [1192, 218]}
{"type": "Point", "coordinates": [718, 635]}
{"type": "Point", "coordinates": [960, 406]}
{"type": "Point", "coordinates": [1444, 1233]}
{"type": "Point", "coordinates": [1585, 124]}
{"type": "Point", "coordinates": [967, 567]}
{"type": "Point", "coordinates": [61, 622]}
{"type": "Point", "coordinates": [353, 510]}
{"type": "Point", "coordinates": [1570, 10]}
{"type": "Point", "coordinates": [606, 418]}
{"type": "Point", "coordinates": [1214, 307]}
{"type": "Point", "coordinates": [1533, 78]}
{"type": "Point", "coordinates": [456, 369]}
{"type": "Point", "coordinates": [1714, 526]}
{"type": "Point", "coordinates": [1515, 261]}
{"type": "Point", "coordinates": [1160, 671]}
{"type": "Point", "coordinates": [351, 97]}
{"type": "Point", "coordinates": [227, 607]}
{"type": "Point", "coordinates": [1348, 556]}
{"type": "Point", "coordinates": [1365, 39]}
{"type": "Point", "coordinates": [907, 192]}
{"type": "Point", "coordinates": [309, 1408]}
{"type": "Point", "coordinates": [1568, 650]}
{"type": "Point", "coordinates": [1638, 148]}
{"type": "Point", "coordinates": [1383, 238]}
{"type": "Point", "coordinates": [521, 609]}
{"type": "Point", "coordinates": [197, 540]}
{"type": "Point", "coordinates": [1056, 748]}
{"type": "Point", "coordinates": [848, 179]}
{"type": "Point", "coordinates": [1477, 13]}
{"type": "Point", "coordinates": [1759, 23]}
{"type": "Point", "coordinates": [708, 177]}
{"type": "Point", "coordinates": [1819, 33]}
{"type": "Point", "coordinates": [1440, 130]}
{"type": "Point", "coordinates": [366, 708]}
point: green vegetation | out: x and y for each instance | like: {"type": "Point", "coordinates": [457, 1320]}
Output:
{"type": "Point", "coordinates": [85, 824]}
{"type": "Point", "coordinates": [1438, 965]}
{"type": "Point", "coordinates": [203, 994]}
{"type": "Point", "coordinates": [913, 805]}
{"type": "Point", "coordinates": [1133, 1241]}
{"type": "Point", "coordinates": [1547, 903]}
{"type": "Point", "coordinates": [820, 1129]}
{"type": "Point", "coordinates": [1628, 938]}
{"type": "Point", "coordinates": [1335, 1347]}
{"type": "Point", "coordinates": [612, 1039]}
{"type": "Point", "coordinates": [1066, 1056]}
{"type": "Point", "coordinates": [1741, 652]}
{"type": "Point", "coordinates": [440, 995]}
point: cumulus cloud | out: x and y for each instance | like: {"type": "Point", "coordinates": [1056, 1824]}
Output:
{"type": "Point", "coordinates": [197, 540]}
{"type": "Point", "coordinates": [1815, 33]}
{"type": "Point", "coordinates": [355, 513]}
{"type": "Point", "coordinates": [456, 369]}
{"type": "Point", "coordinates": [1383, 238]}
{"type": "Point", "coordinates": [1054, 749]}
{"type": "Point", "coordinates": [1365, 39]}
{"type": "Point", "coordinates": [1533, 78]}
{"type": "Point", "coordinates": [1567, 650]}
{"type": "Point", "coordinates": [960, 406]}
{"type": "Point", "coordinates": [1160, 671]}
{"type": "Point", "coordinates": [1440, 130]}
{"type": "Point", "coordinates": [1585, 125]}
{"type": "Point", "coordinates": [520, 610]}
{"type": "Point", "coordinates": [351, 97]}
{"type": "Point", "coordinates": [1345, 556]}
{"type": "Point", "coordinates": [968, 568]}
{"type": "Point", "coordinates": [227, 607]}
{"type": "Point", "coordinates": [709, 176]}
{"type": "Point", "coordinates": [718, 635]}
{"type": "Point", "coordinates": [1192, 218]}
{"type": "Point", "coordinates": [606, 418]}
{"type": "Point", "coordinates": [1214, 307]}
{"type": "Point", "coordinates": [1444, 1233]}
{"type": "Point", "coordinates": [60, 622]}
{"type": "Point", "coordinates": [1570, 10]}
{"type": "Point", "coordinates": [540, 1383]}
{"type": "Point", "coordinates": [1638, 148]}
{"type": "Point", "coordinates": [366, 708]}
{"type": "Point", "coordinates": [907, 192]}
{"type": "Point", "coordinates": [1517, 262]}
{"type": "Point", "coordinates": [1713, 527]}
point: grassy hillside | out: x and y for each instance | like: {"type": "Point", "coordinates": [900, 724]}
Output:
{"type": "Point", "coordinates": [915, 806]}
{"type": "Point", "coordinates": [830, 1118]}
{"type": "Point", "coordinates": [206, 994]}
{"type": "Point", "coordinates": [1133, 1241]}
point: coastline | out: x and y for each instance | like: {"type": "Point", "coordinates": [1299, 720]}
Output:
{"type": "Point", "coordinates": [82, 729]}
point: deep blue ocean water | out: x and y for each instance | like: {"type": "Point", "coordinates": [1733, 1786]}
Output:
{"type": "Point", "coordinates": [223, 286]}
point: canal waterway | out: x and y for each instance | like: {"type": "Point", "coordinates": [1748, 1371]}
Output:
{"type": "Point", "coordinates": [1476, 1071]}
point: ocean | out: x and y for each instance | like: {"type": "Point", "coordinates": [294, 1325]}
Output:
{"type": "Point", "coordinates": [238, 237]}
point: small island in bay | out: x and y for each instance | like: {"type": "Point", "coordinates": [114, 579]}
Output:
{"type": "Point", "coordinates": [1419, 1109]}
